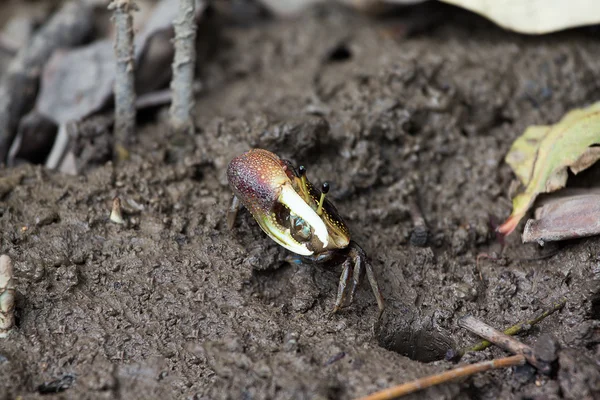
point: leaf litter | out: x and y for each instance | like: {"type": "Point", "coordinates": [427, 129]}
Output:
{"type": "Point", "coordinates": [542, 156]}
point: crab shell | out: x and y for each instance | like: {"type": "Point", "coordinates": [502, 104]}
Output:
{"type": "Point", "coordinates": [275, 195]}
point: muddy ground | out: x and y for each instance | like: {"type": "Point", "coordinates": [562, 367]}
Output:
{"type": "Point", "coordinates": [392, 113]}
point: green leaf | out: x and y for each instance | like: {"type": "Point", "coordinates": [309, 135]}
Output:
{"type": "Point", "coordinates": [541, 156]}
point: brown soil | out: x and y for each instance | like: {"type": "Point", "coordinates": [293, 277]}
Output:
{"type": "Point", "coordinates": [175, 305]}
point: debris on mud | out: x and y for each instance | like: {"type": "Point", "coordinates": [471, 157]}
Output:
{"type": "Point", "coordinates": [543, 156]}
{"type": "Point", "coordinates": [174, 304]}
{"type": "Point", "coordinates": [572, 215]}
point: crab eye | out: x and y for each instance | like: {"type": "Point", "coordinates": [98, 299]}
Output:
{"type": "Point", "coordinates": [299, 229]}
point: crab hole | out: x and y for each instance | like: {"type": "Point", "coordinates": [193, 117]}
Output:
{"type": "Point", "coordinates": [404, 330]}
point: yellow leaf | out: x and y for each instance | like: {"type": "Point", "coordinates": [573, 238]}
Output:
{"type": "Point", "coordinates": [541, 156]}
{"type": "Point", "coordinates": [522, 153]}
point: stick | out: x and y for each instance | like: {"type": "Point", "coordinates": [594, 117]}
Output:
{"type": "Point", "coordinates": [160, 97]}
{"type": "Point", "coordinates": [503, 341]}
{"type": "Point", "coordinates": [7, 296]}
{"type": "Point", "coordinates": [18, 88]}
{"type": "Point", "coordinates": [432, 380]}
{"type": "Point", "coordinates": [125, 111]}
{"type": "Point", "coordinates": [184, 63]}
{"type": "Point", "coordinates": [513, 330]}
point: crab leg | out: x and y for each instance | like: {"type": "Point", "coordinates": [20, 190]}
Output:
{"type": "Point", "coordinates": [344, 279]}
{"type": "Point", "coordinates": [357, 273]}
{"type": "Point", "coordinates": [375, 288]}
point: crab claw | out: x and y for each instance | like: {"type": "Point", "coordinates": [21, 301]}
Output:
{"type": "Point", "coordinates": [262, 183]}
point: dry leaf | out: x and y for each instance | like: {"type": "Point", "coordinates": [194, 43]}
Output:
{"type": "Point", "coordinates": [535, 16]}
{"type": "Point", "coordinates": [78, 82]}
{"type": "Point", "coordinates": [524, 16]}
{"type": "Point", "coordinates": [541, 156]}
{"type": "Point", "coordinates": [570, 215]}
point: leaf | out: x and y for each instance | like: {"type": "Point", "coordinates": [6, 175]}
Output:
{"type": "Point", "coordinates": [573, 213]}
{"type": "Point", "coordinates": [78, 82]}
{"type": "Point", "coordinates": [541, 156]}
{"type": "Point", "coordinates": [525, 16]}
{"type": "Point", "coordinates": [535, 16]}
{"type": "Point", "coordinates": [522, 153]}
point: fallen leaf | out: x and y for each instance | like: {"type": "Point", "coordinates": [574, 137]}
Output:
{"type": "Point", "coordinates": [535, 16]}
{"type": "Point", "coordinates": [521, 156]}
{"type": "Point", "coordinates": [572, 214]}
{"type": "Point", "coordinates": [78, 82]}
{"type": "Point", "coordinates": [542, 155]}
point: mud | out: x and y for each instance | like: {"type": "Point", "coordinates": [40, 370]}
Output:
{"type": "Point", "coordinates": [175, 305]}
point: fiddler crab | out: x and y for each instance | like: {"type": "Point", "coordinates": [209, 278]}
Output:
{"type": "Point", "coordinates": [298, 217]}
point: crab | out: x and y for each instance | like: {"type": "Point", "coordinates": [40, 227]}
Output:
{"type": "Point", "coordinates": [299, 217]}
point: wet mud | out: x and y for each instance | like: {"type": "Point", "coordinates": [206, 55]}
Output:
{"type": "Point", "coordinates": [175, 305]}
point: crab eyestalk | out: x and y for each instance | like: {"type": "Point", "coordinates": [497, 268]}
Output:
{"type": "Point", "coordinates": [302, 172]}
{"type": "Point", "coordinates": [324, 191]}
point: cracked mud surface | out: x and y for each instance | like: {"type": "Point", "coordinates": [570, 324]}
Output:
{"type": "Point", "coordinates": [174, 305]}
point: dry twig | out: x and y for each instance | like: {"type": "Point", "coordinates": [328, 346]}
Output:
{"type": "Point", "coordinates": [7, 296]}
{"type": "Point", "coordinates": [160, 97]}
{"type": "Point", "coordinates": [182, 106]}
{"type": "Point", "coordinates": [503, 341]}
{"type": "Point", "coordinates": [513, 330]}
{"type": "Point", "coordinates": [523, 353]}
{"type": "Point", "coordinates": [125, 111]}
{"type": "Point", "coordinates": [433, 380]}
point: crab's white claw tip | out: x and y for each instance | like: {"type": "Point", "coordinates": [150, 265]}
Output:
{"type": "Point", "coordinates": [298, 206]}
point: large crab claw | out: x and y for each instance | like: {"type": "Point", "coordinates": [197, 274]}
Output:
{"type": "Point", "coordinates": [262, 181]}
